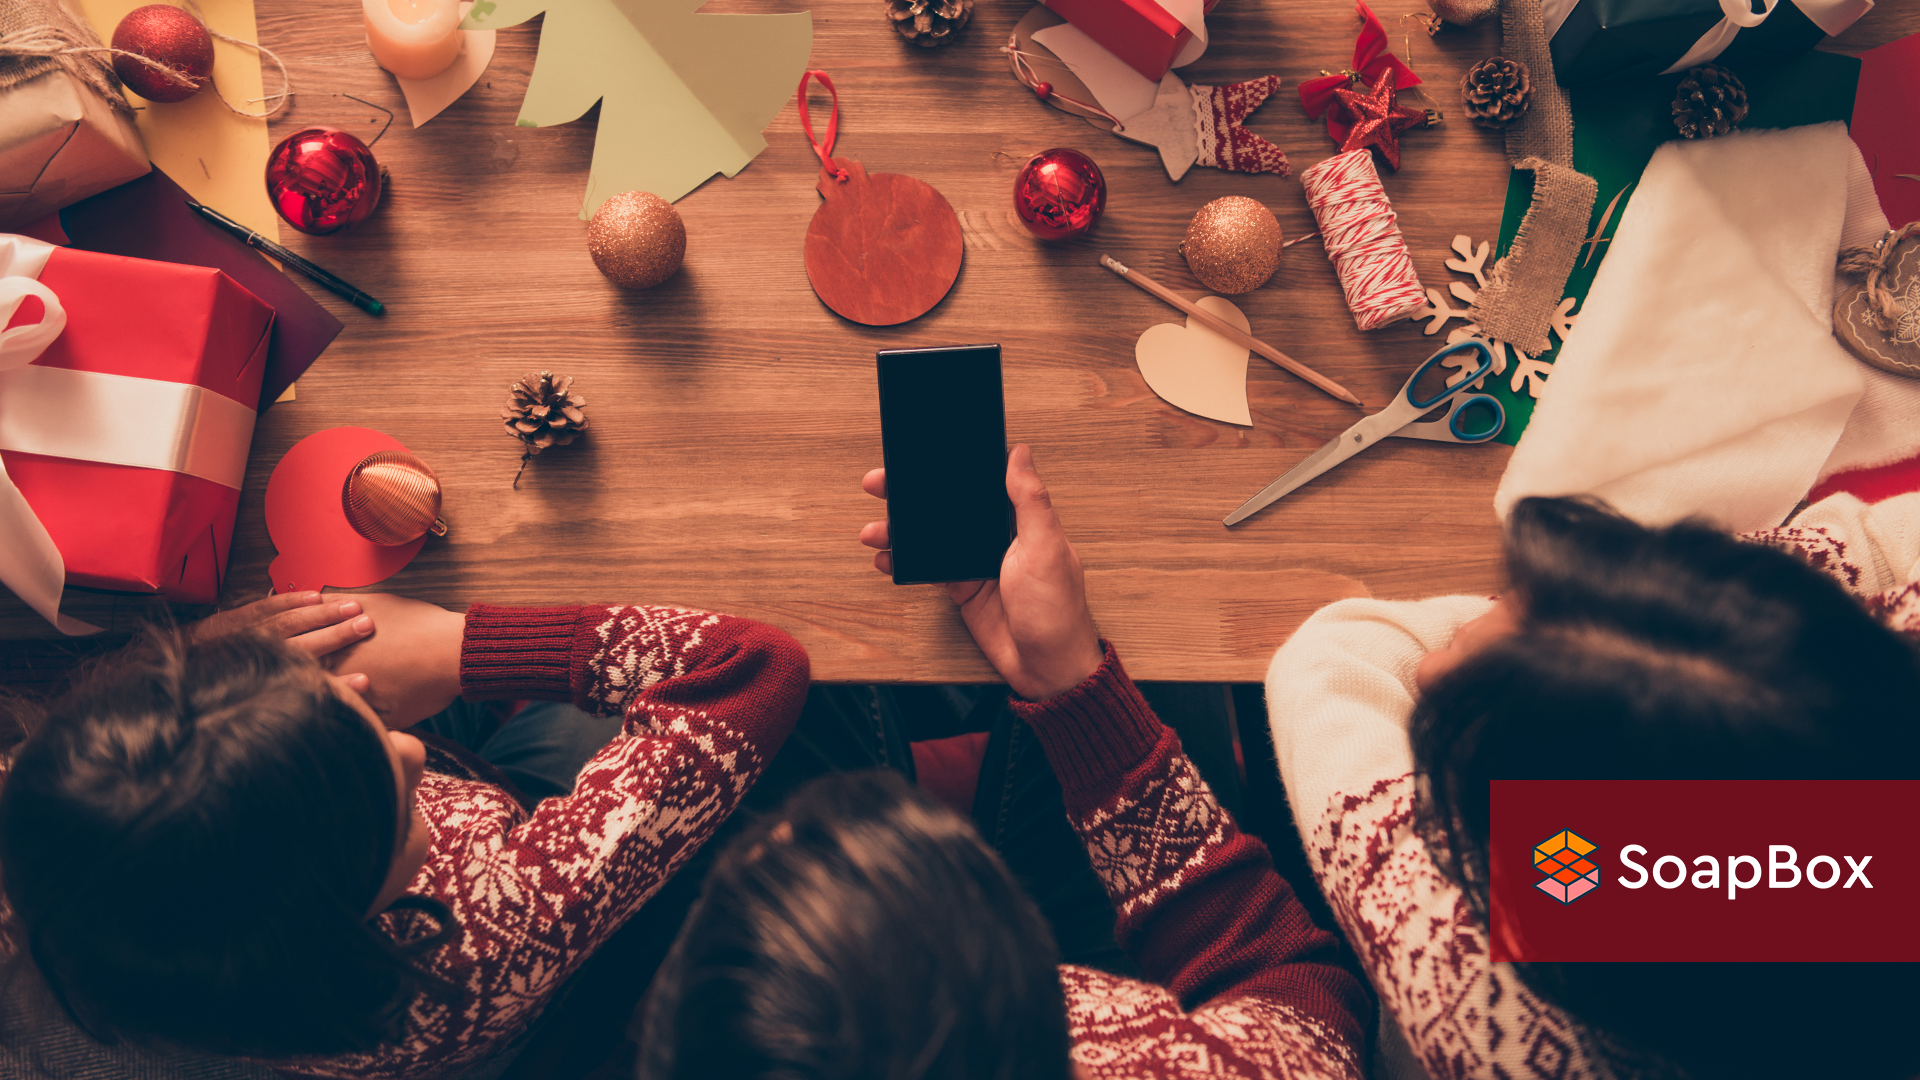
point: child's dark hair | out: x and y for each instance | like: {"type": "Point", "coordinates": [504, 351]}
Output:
{"type": "Point", "coordinates": [863, 932]}
{"type": "Point", "coordinates": [190, 842]}
{"type": "Point", "coordinates": [1678, 653]}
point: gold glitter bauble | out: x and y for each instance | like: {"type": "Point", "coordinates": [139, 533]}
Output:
{"type": "Point", "coordinates": [637, 239]}
{"type": "Point", "coordinates": [1233, 245]}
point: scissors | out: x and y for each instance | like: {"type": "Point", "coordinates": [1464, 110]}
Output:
{"type": "Point", "coordinates": [1400, 419]}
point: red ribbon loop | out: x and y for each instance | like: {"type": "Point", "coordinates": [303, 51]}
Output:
{"type": "Point", "coordinates": [833, 124]}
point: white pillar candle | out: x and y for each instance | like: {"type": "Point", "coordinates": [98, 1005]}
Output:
{"type": "Point", "coordinates": [414, 39]}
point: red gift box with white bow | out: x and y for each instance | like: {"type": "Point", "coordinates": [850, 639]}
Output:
{"type": "Point", "coordinates": [125, 438]}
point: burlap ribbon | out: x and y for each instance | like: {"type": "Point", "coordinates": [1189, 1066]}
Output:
{"type": "Point", "coordinates": [1527, 284]}
{"type": "Point", "coordinates": [38, 36]}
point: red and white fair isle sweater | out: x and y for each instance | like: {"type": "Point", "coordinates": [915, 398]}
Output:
{"type": "Point", "coordinates": [1340, 694]}
{"type": "Point", "coordinates": [707, 698]}
{"type": "Point", "coordinates": [1243, 985]}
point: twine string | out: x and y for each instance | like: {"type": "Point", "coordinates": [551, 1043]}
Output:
{"type": "Point", "coordinates": [1362, 236]}
{"type": "Point", "coordinates": [1022, 63]}
{"type": "Point", "coordinates": [54, 41]}
{"type": "Point", "coordinates": [1870, 261]}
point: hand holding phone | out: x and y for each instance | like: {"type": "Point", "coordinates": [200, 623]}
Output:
{"type": "Point", "coordinates": [1032, 621]}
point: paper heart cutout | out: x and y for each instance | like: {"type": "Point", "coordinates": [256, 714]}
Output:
{"type": "Point", "coordinates": [1195, 369]}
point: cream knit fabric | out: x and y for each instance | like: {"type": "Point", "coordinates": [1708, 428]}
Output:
{"type": "Point", "coordinates": [1340, 694]}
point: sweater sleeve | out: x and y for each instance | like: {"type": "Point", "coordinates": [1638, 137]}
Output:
{"type": "Point", "coordinates": [1341, 690]}
{"type": "Point", "coordinates": [708, 699]}
{"type": "Point", "coordinates": [1200, 906]}
{"type": "Point", "coordinates": [1870, 548]}
{"type": "Point", "coordinates": [1340, 695]}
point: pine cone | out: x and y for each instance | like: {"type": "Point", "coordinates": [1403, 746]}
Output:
{"type": "Point", "coordinates": [541, 411]}
{"type": "Point", "coordinates": [1711, 101]}
{"type": "Point", "coordinates": [929, 23]}
{"type": "Point", "coordinates": [1497, 91]}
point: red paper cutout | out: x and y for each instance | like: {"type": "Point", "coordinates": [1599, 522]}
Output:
{"type": "Point", "coordinates": [1370, 59]}
{"type": "Point", "coordinates": [1883, 125]}
{"type": "Point", "coordinates": [308, 523]}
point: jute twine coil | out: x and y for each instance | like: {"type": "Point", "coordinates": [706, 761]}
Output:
{"type": "Point", "coordinates": [38, 36]}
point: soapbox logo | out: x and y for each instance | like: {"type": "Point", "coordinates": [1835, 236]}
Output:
{"type": "Point", "coordinates": [1566, 862]}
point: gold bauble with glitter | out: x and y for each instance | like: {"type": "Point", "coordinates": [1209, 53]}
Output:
{"type": "Point", "coordinates": [1233, 245]}
{"type": "Point", "coordinates": [637, 239]}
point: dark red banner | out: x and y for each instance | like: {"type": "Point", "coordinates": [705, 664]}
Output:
{"type": "Point", "coordinates": [1705, 870]}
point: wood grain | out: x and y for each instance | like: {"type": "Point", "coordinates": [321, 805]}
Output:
{"type": "Point", "coordinates": [733, 414]}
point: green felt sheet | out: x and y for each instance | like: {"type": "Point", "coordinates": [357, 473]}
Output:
{"type": "Point", "coordinates": [1617, 127]}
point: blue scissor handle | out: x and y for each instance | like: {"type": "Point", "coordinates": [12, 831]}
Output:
{"type": "Point", "coordinates": [1462, 404]}
{"type": "Point", "coordinates": [1445, 392]}
{"type": "Point", "coordinates": [1453, 428]}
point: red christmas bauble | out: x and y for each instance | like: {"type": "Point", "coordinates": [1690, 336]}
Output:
{"type": "Point", "coordinates": [170, 36]}
{"type": "Point", "coordinates": [1059, 194]}
{"type": "Point", "coordinates": [322, 179]}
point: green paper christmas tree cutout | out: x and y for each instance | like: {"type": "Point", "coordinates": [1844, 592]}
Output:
{"type": "Point", "coordinates": [682, 95]}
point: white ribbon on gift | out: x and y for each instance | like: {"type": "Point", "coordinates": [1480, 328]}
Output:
{"type": "Point", "coordinates": [90, 416]}
{"type": "Point", "coordinates": [1831, 16]}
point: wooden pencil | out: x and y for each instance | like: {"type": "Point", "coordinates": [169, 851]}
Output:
{"type": "Point", "coordinates": [1230, 332]}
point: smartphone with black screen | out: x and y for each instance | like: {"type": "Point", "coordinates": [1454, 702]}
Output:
{"type": "Point", "coordinates": [943, 432]}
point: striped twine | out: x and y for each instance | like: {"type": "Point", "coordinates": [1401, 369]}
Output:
{"type": "Point", "coordinates": [1363, 240]}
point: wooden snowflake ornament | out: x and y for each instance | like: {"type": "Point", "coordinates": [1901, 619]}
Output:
{"type": "Point", "coordinates": [1529, 373]}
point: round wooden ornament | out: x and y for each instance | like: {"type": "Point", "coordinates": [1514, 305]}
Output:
{"type": "Point", "coordinates": [882, 248]}
{"type": "Point", "coordinates": [1877, 316]}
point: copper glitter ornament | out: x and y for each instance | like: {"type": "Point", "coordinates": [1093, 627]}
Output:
{"type": "Point", "coordinates": [637, 239]}
{"type": "Point", "coordinates": [1233, 245]}
{"type": "Point", "coordinates": [392, 498]}
{"type": "Point", "coordinates": [170, 36]}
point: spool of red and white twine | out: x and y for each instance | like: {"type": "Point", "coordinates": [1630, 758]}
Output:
{"type": "Point", "coordinates": [1358, 225]}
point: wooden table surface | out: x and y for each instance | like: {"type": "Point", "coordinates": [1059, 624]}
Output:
{"type": "Point", "coordinates": [733, 414]}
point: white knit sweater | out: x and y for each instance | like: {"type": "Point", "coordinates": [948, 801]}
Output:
{"type": "Point", "coordinates": [1340, 694]}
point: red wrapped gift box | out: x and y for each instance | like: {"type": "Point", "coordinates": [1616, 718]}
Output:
{"type": "Point", "coordinates": [166, 329]}
{"type": "Point", "coordinates": [1140, 32]}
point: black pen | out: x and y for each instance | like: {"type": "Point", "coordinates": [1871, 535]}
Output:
{"type": "Point", "coordinates": [255, 240]}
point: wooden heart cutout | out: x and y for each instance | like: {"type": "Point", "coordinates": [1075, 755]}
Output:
{"type": "Point", "coordinates": [881, 249]}
{"type": "Point", "coordinates": [1195, 369]}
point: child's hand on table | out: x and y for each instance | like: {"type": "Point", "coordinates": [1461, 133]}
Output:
{"type": "Point", "coordinates": [412, 659]}
{"type": "Point", "coordinates": [315, 624]}
{"type": "Point", "coordinates": [1033, 624]}
{"type": "Point", "coordinates": [318, 626]}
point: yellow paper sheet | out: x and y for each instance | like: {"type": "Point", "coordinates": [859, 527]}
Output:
{"type": "Point", "coordinates": [220, 158]}
{"type": "Point", "coordinates": [683, 95]}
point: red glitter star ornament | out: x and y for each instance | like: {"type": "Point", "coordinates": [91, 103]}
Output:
{"type": "Point", "coordinates": [1377, 121]}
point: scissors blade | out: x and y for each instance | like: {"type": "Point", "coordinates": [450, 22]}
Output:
{"type": "Point", "coordinates": [1350, 442]}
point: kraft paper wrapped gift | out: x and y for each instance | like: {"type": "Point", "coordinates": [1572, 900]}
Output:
{"type": "Point", "coordinates": [128, 434]}
{"type": "Point", "coordinates": [65, 130]}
